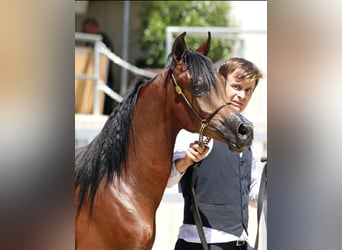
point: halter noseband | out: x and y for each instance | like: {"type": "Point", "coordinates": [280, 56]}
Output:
{"type": "Point", "coordinates": [204, 122]}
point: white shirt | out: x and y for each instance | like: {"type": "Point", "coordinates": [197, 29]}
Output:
{"type": "Point", "coordinates": [189, 232]}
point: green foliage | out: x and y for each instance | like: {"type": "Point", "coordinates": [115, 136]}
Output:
{"type": "Point", "coordinates": [157, 15]}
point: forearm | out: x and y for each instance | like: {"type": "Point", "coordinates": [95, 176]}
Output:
{"type": "Point", "coordinates": [178, 169]}
{"type": "Point", "coordinates": [174, 177]}
{"type": "Point", "coordinates": [183, 164]}
{"type": "Point", "coordinates": [186, 152]}
{"type": "Point", "coordinates": [254, 193]}
{"type": "Point", "coordinates": [255, 182]}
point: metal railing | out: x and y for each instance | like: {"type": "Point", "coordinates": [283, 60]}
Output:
{"type": "Point", "coordinates": [100, 48]}
{"type": "Point", "coordinates": [96, 39]}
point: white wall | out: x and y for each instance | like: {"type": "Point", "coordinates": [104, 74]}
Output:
{"type": "Point", "coordinates": [253, 15]}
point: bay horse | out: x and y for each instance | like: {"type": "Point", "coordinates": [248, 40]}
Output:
{"type": "Point", "coordinates": [120, 176]}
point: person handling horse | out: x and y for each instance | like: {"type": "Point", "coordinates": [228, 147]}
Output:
{"type": "Point", "coordinates": [226, 183]}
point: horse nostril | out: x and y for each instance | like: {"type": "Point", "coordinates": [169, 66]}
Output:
{"type": "Point", "coordinates": [243, 132]}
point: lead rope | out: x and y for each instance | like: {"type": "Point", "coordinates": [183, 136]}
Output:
{"type": "Point", "coordinates": [195, 211]}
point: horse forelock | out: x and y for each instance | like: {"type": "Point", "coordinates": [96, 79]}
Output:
{"type": "Point", "coordinates": [199, 66]}
{"type": "Point", "coordinates": [106, 156]}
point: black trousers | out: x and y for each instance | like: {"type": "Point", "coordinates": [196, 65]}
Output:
{"type": "Point", "coordinates": [183, 245]}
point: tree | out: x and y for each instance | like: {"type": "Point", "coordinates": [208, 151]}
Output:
{"type": "Point", "coordinates": [157, 15]}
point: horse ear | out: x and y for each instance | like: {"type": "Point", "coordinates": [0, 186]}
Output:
{"type": "Point", "coordinates": [179, 47]}
{"type": "Point", "coordinates": [204, 48]}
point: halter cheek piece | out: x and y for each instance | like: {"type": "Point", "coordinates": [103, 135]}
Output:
{"type": "Point", "coordinates": [204, 122]}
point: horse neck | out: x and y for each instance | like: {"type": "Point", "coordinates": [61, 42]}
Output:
{"type": "Point", "coordinates": [152, 139]}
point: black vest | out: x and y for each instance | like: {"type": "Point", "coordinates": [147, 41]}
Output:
{"type": "Point", "coordinates": [222, 190]}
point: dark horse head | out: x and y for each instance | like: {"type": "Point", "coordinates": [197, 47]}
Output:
{"type": "Point", "coordinates": [204, 95]}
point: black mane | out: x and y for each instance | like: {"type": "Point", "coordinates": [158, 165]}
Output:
{"type": "Point", "coordinates": [106, 153]}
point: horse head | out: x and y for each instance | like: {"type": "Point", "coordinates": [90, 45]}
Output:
{"type": "Point", "coordinates": [202, 91]}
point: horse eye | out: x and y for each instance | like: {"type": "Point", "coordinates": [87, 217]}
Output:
{"type": "Point", "coordinates": [200, 88]}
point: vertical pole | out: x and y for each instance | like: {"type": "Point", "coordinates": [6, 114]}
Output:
{"type": "Point", "coordinates": [168, 42]}
{"type": "Point", "coordinates": [125, 41]}
{"type": "Point", "coordinates": [242, 48]}
{"type": "Point", "coordinates": [96, 107]}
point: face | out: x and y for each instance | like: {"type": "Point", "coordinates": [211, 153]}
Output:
{"type": "Point", "coordinates": [89, 28]}
{"type": "Point", "coordinates": [239, 92]}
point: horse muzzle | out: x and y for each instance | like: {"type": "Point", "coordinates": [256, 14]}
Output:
{"type": "Point", "coordinates": [243, 135]}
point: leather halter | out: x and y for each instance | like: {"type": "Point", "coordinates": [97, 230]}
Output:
{"type": "Point", "coordinates": [204, 122]}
